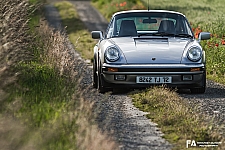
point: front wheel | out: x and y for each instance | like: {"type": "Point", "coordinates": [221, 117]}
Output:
{"type": "Point", "coordinates": [100, 87]}
{"type": "Point", "coordinates": [100, 81]}
{"type": "Point", "coordinates": [95, 76]}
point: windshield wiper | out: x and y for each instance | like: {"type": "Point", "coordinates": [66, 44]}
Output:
{"type": "Point", "coordinates": [164, 34]}
{"type": "Point", "coordinates": [143, 34]}
{"type": "Point", "coordinates": [184, 35]}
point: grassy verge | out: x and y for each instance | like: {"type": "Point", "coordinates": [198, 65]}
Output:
{"type": "Point", "coordinates": [78, 34]}
{"type": "Point", "coordinates": [41, 107]}
{"type": "Point", "coordinates": [174, 117]}
{"type": "Point", "coordinates": [45, 104]}
{"type": "Point", "coordinates": [41, 98]}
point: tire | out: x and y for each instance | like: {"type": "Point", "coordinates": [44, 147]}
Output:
{"type": "Point", "coordinates": [100, 87]}
{"type": "Point", "coordinates": [100, 82]}
{"type": "Point", "coordinates": [202, 89]}
{"type": "Point", "coordinates": [95, 76]}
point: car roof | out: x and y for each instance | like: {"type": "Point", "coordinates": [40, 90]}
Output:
{"type": "Point", "coordinates": [146, 11]}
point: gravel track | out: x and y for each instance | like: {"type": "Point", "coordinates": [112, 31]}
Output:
{"type": "Point", "coordinates": [116, 113]}
{"type": "Point", "coordinates": [211, 103]}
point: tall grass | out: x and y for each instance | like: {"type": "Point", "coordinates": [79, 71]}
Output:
{"type": "Point", "coordinates": [41, 107]}
{"type": "Point", "coordinates": [15, 43]}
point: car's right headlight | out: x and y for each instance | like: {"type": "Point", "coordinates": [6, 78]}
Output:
{"type": "Point", "coordinates": [194, 53]}
{"type": "Point", "coordinates": [112, 54]}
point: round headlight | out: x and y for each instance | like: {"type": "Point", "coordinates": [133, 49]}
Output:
{"type": "Point", "coordinates": [194, 54]}
{"type": "Point", "coordinates": [112, 54]}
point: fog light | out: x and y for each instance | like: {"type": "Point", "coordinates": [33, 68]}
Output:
{"type": "Point", "coordinates": [187, 77]}
{"type": "Point", "coordinates": [120, 77]}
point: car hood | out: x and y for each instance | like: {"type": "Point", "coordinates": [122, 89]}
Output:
{"type": "Point", "coordinates": [152, 50]}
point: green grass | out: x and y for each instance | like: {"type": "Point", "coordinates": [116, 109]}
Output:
{"type": "Point", "coordinates": [76, 30]}
{"type": "Point", "coordinates": [174, 117]}
{"type": "Point", "coordinates": [44, 98]}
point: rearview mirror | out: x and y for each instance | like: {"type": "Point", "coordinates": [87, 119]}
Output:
{"type": "Point", "coordinates": [149, 21]}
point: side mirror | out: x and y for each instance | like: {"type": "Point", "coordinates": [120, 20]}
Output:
{"type": "Point", "coordinates": [204, 36]}
{"type": "Point", "coordinates": [97, 34]}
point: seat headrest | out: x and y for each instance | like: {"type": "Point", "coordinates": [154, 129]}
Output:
{"type": "Point", "coordinates": [167, 26]}
{"type": "Point", "coordinates": [128, 28]}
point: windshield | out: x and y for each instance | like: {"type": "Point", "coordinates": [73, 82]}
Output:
{"type": "Point", "coordinates": [149, 23]}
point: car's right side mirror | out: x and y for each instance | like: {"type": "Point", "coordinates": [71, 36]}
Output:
{"type": "Point", "coordinates": [204, 36]}
{"type": "Point", "coordinates": [97, 34]}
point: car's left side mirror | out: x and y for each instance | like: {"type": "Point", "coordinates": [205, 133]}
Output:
{"type": "Point", "coordinates": [204, 36]}
{"type": "Point", "coordinates": [97, 34]}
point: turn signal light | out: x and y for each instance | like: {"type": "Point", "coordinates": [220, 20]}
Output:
{"type": "Point", "coordinates": [113, 69]}
{"type": "Point", "coordinates": [195, 69]}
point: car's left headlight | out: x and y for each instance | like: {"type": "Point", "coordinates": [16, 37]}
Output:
{"type": "Point", "coordinates": [112, 54]}
{"type": "Point", "coordinates": [194, 54]}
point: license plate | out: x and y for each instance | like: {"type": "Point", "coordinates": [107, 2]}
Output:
{"type": "Point", "coordinates": [153, 80]}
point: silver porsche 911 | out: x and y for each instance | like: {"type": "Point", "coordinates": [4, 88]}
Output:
{"type": "Point", "coordinates": [142, 48]}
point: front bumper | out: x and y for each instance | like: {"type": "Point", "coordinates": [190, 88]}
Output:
{"type": "Point", "coordinates": [176, 71]}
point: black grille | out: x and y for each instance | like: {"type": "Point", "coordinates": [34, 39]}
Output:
{"type": "Point", "coordinates": [154, 70]}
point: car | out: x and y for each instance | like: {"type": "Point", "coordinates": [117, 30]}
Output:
{"type": "Point", "coordinates": [143, 48]}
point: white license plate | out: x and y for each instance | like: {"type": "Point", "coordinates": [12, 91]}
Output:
{"type": "Point", "coordinates": [145, 79]}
